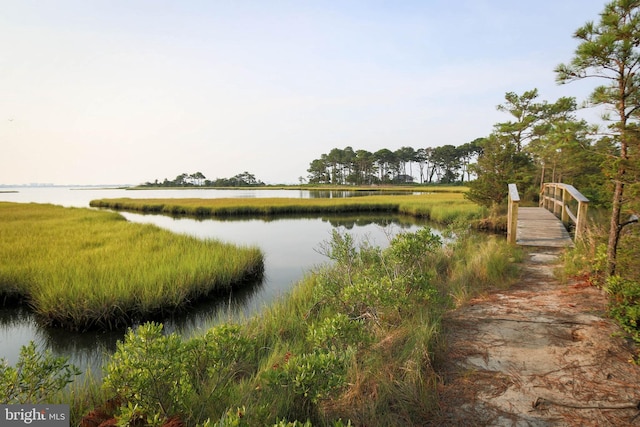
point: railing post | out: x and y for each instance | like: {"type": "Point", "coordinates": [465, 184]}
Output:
{"type": "Point", "coordinates": [512, 214]}
{"type": "Point", "coordinates": [557, 210]}
{"type": "Point", "coordinates": [566, 198]}
{"type": "Point", "coordinates": [581, 221]}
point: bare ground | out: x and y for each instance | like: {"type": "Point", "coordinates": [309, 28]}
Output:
{"type": "Point", "coordinates": [542, 353]}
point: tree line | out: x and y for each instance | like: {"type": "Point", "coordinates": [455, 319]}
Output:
{"type": "Point", "coordinates": [446, 164]}
{"type": "Point", "coordinates": [198, 179]}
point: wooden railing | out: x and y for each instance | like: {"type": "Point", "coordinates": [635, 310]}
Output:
{"type": "Point", "coordinates": [512, 215]}
{"type": "Point", "coordinates": [563, 200]}
{"type": "Point", "coordinates": [567, 203]}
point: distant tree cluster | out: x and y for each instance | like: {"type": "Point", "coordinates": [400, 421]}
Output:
{"type": "Point", "coordinates": [446, 164]}
{"type": "Point", "coordinates": [197, 179]}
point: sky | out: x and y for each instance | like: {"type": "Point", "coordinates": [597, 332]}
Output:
{"type": "Point", "coordinates": [124, 92]}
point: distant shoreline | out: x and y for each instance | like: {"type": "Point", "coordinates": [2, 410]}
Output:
{"type": "Point", "coordinates": [92, 186]}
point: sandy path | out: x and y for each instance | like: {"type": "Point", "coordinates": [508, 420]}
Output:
{"type": "Point", "coordinates": [539, 354]}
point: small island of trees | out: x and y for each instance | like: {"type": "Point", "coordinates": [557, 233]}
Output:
{"type": "Point", "coordinates": [197, 179]}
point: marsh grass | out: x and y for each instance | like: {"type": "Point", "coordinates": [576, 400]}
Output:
{"type": "Point", "coordinates": [476, 264]}
{"type": "Point", "coordinates": [442, 207]}
{"type": "Point", "coordinates": [81, 269]}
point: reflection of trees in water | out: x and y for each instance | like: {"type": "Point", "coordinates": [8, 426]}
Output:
{"type": "Point", "coordinates": [338, 219]}
{"type": "Point", "coordinates": [341, 194]}
{"type": "Point", "coordinates": [349, 222]}
{"type": "Point", "coordinates": [328, 194]}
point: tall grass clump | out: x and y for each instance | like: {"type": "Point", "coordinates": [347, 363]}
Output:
{"type": "Point", "coordinates": [473, 263]}
{"type": "Point", "coordinates": [79, 268]}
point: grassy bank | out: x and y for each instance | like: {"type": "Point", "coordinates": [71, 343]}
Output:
{"type": "Point", "coordinates": [80, 268]}
{"type": "Point", "coordinates": [353, 341]}
{"type": "Point", "coordinates": [442, 207]}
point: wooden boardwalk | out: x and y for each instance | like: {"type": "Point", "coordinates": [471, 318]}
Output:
{"type": "Point", "coordinates": [539, 227]}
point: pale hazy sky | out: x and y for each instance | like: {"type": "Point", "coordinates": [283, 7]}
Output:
{"type": "Point", "coordinates": [111, 91]}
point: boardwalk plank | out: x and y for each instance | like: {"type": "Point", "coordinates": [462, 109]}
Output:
{"type": "Point", "coordinates": [539, 227]}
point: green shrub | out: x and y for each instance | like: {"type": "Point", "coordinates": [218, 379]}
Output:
{"type": "Point", "coordinates": [354, 340]}
{"type": "Point", "coordinates": [36, 378]}
{"type": "Point", "coordinates": [216, 356]}
{"type": "Point", "coordinates": [624, 305]}
{"type": "Point", "coordinates": [312, 376]}
{"type": "Point", "coordinates": [149, 373]}
{"type": "Point", "coordinates": [158, 376]}
{"type": "Point", "coordinates": [338, 331]}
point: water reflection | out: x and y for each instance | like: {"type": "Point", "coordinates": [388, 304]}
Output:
{"type": "Point", "coordinates": [340, 194]}
{"type": "Point", "coordinates": [351, 222]}
{"type": "Point", "coordinates": [17, 328]}
{"type": "Point", "coordinates": [200, 316]}
{"type": "Point", "coordinates": [289, 243]}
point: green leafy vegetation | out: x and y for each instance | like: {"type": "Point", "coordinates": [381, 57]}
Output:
{"type": "Point", "coordinates": [80, 268]}
{"type": "Point", "coordinates": [608, 53]}
{"type": "Point", "coordinates": [625, 304]}
{"type": "Point", "coordinates": [352, 343]}
{"type": "Point", "coordinates": [355, 340]}
{"type": "Point", "coordinates": [545, 142]}
{"type": "Point", "coordinates": [36, 378]}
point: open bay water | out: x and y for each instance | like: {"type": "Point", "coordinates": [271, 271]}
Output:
{"type": "Point", "coordinates": [292, 247]}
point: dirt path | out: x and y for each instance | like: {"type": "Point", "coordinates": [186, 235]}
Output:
{"type": "Point", "coordinates": [540, 354]}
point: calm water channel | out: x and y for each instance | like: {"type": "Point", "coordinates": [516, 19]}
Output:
{"type": "Point", "coordinates": [291, 247]}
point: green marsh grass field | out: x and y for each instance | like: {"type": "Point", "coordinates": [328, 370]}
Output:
{"type": "Point", "coordinates": [81, 268]}
{"type": "Point", "coordinates": [443, 207]}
